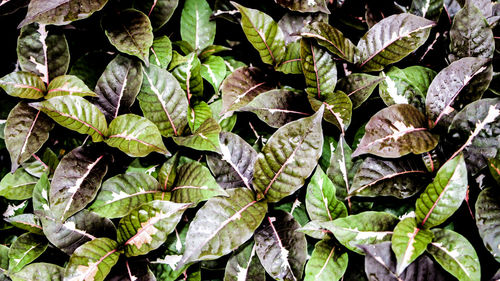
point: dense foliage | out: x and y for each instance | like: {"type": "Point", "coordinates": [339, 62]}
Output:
{"type": "Point", "coordinates": [250, 140]}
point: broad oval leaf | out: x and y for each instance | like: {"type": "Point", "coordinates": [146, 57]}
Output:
{"type": "Point", "coordinates": [392, 39]}
{"type": "Point", "coordinates": [358, 87]}
{"type": "Point", "coordinates": [135, 135]}
{"type": "Point", "coordinates": [338, 108]}
{"type": "Point", "coordinates": [76, 181]}
{"type": "Point", "coordinates": [488, 219]}
{"type": "Point", "coordinates": [281, 249]}
{"type": "Point", "coordinates": [26, 249]}
{"type": "Point", "coordinates": [196, 27]}
{"type": "Point", "coordinates": [332, 39]}
{"type": "Point", "coordinates": [26, 130]}
{"type": "Point", "coordinates": [305, 6]}
{"type": "Point", "coordinates": [42, 53]}
{"type": "Point", "coordinates": [161, 51]}
{"type": "Point", "coordinates": [401, 178]}
{"type": "Point", "coordinates": [41, 194]}
{"type": "Point", "coordinates": [23, 84]}
{"type": "Point", "coordinates": [130, 32]}
{"type": "Point", "coordinates": [321, 202]}
{"type": "Point", "coordinates": [220, 218]}
{"type": "Point", "coordinates": [206, 137]}
{"type": "Point", "coordinates": [40, 271]}
{"type": "Point", "coordinates": [146, 227]}
{"type": "Point", "coordinates": [188, 74]}
{"type": "Point", "coordinates": [235, 167]}
{"type": "Point", "coordinates": [65, 85]}
{"type": "Point", "coordinates": [292, 63]}
{"type": "Point", "coordinates": [163, 101]}
{"type": "Point", "coordinates": [288, 158]}
{"type": "Point", "coordinates": [118, 86]}
{"type": "Point", "coordinates": [395, 131]}
{"type": "Point", "coordinates": [93, 260]}
{"type": "Point", "coordinates": [18, 185]}
{"type": "Point", "coordinates": [444, 195]}
{"type": "Point", "coordinates": [244, 265]}
{"type": "Point", "coordinates": [314, 230]}
{"type": "Point", "coordinates": [198, 114]}
{"type": "Point", "coordinates": [328, 262]}
{"type": "Point", "coordinates": [61, 12]}
{"type": "Point", "coordinates": [168, 172]}
{"type": "Point", "coordinates": [319, 69]}
{"type": "Point", "coordinates": [341, 168]}
{"type": "Point", "coordinates": [158, 11]}
{"type": "Point", "coordinates": [453, 87]}
{"type": "Point", "coordinates": [75, 113]}
{"type": "Point", "coordinates": [263, 33]}
{"type": "Point", "coordinates": [213, 69]}
{"type": "Point", "coordinates": [362, 229]}
{"type": "Point", "coordinates": [227, 120]}
{"type": "Point", "coordinates": [27, 222]}
{"type": "Point", "coordinates": [455, 254]}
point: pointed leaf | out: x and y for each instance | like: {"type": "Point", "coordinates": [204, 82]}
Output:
{"type": "Point", "coordinates": [226, 120]}
{"type": "Point", "coordinates": [168, 173]}
{"type": "Point", "coordinates": [211, 50]}
{"type": "Point", "coordinates": [213, 69]}
{"type": "Point", "coordinates": [288, 158]}
{"type": "Point", "coordinates": [196, 27]}
{"type": "Point", "coordinates": [281, 249]}
{"type": "Point", "coordinates": [392, 39]}
{"type": "Point", "coordinates": [206, 137]}
{"type": "Point", "coordinates": [314, 230]}
{"type": "Point", "coordinates": [319, 69]}
{"type": "Point", "coordinates": [26, 249]}
{"type": "Point", "coordinates": [41, 194]}
{"type": "Point", "coordinates": [75, 113]}
{"type": "Point", "coordinates": [161, 50]}
{"type": "Point", "coordinates": [158, 11]}
{"type": "Point", "coordinates": [18, 185]}
{"type": "Point", "coordinates": [338, 108]}
{"type": "Point", "coordinates": [292, 63]}
{"type": "Point", "coordinates": [263, 33]}
{"type": "Point", "coordinates": [444, 195]}
{"type": "Point", "coordinates": [93, 260]}
{"type": "Point", "coordinates": [488, 219]}
{"type": "Point", "coordinates": [395, 131]}
{"type": "Point", "coordinates": [328, 262]}
{"type": "Point", "coordinates": [76, 181]}
{"type": "Point", "coordinates": [362, 229]}
{"type": "Point", "coordinates": [332, 39]}
{"type": "Point", "coordinates": [244, 265]}
{"type": "Point", "coordinates": [305, 6]}
{"type": "Point", "coordinates": [340, 168]}
{"type": "Point", "coordinates": [40, 271]}
{"type": "Point", "coordinates": [118, 86]}
{"type": "Point", "coordinates": [429, 9]}
{"type": "Point", "coordinates": [321, 202]}
{"type": "Point", "coordinates": [189, 76]}
{"type": "Point", "coordinates": [68, 85]}
{"type": "Point", "coordinates": [130, 32]}
{"type": "Point", "coordinates": [358, 87]}
{"type": "Point", "coordinates": [198, 115]}
{"type": "Point", "coordinates": [135, 135]}
{"type": "Point", "coordinates": [163, 101]}
{"type": "Point", "coordinates": [42, 53]}
{"type": "Point", "coordinates": [27, 222]}
{"type": "Point", "coordinates": [220, 218]}
{"type": "Point", "coordinates": [23, 84]}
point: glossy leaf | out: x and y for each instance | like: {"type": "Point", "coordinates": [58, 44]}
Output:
{"type": "Point", "coordinates": [488, 219]}
{"type": "Point", "coordinates": [206, 137]}
{"type": "Point", "coordinates": [27, 222]}
{"type": "Point", "coordinates": [118, 86]}
{"type": "Point", "coordinates": [158, 11]}
{"type": "Point", "coordinates": [75, 113]}
{"type": "Point", "coordinates": [358, 87]}
{"type": "Point", "coordinates": [23, 85]}
{"type": "Point", "coordinates": [198, 114]}
{"type": "Point", "coordinates": [196, 27]}
{"type": "Point", "coordinates": [161, 50]}
{"type": "Point", "coordinates": [135, 135]}
{"type": "Point", "coordinates": [328, 262]}
{"type": "Point", "coordinates": [292, 63]}
{"type": "Point", "coordinates": [227, 120]}
{"type": "Point", "coordinates": [189, 76]}
{"type": "Point", "coordinates": [24, 250]}
{"type": "Point", "coordinates": [340, 168]}
{"type": "Point", "coordinates": [338, 108]}
{"type": "Point", "coordinates": [68, 85]}
{"type": "Point", "coordinates": [444, 195]}
{"type": "Point", "coordinates": [244, 265]}
{"type": "Point", "coordinates": [319, 69]}
{"type": "Point", "coordinates": [305, 6]}
{"type": "Point", "coordinates": [392, 39]}
{"type": "Point", "coordinates": [430, 9]}
{"type": "Point", "coordinates": [18, 185]}
{"type": "Point", "coordinates": [213, 69]}
{"type": "Point", "coordinates": [40, 271]}
{"type": "Point", "coordinates": [321, 202]}
{"type": "Point", "coordinates": [314, 230]}
{"type": "Point", "coordinates": [222, 217]}
{"type": "Point", "coordinates": [41, 194]}
{"type": "Point", "coordinates": [332, 39]}
{"type": "Point", "coordinates": [288, 158]}
{"type": "Point", "coordinates": [76, 181]}
{"type": "Point", "coordinates": [168, 172]}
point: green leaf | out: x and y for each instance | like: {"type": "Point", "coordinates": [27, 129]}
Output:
{"type": "Point", "coordinates": [26, 130]}
{"type": "Point", "coordinates": [494, 167]}
{"type": "Point", "coordinates": [401, 178]}
{"type": "Point", "coordinates": [135, 135]}
{"type": "Point", "coordinates": [40, 271]}
{"type": "Point", "coordinates": [242, 86]}
{"type": "Point", "coordinates": [42, 53]}
{"type": "Point", "coordinates": [362, 229]}
{"type": "Point", "coordinates": [61, 12]}
{"type": "Point", "coordinates": [161, 51]}
{"type": "Point", "coordinates": [235, 167]}
{"type": "Point", "coordinates": [340, 168]}
{"type": "Point", "coordinates": [75, 113]}
{"type": "Point", "coordinates": [210, 50]}
{"type": "Point", "coordinates": [288, 158]}
{"type": "Point", "coordinates": [146, 227]}
{"type": "Point", "coordinates": [460, 83]}
{"type": "Point", "coordinates": [332, 39]}
{"type": "Point", "coordinates": [395, 131]}
{"type": "Point", "coordinates": [23, 84]}
{"type": "Point", "coordinates": [278, 107]}
{"type": "Point", "coordinates": [168, 173]}
{"type": "Point", "coordinates": [220, 218]}
{"type": "Point", "coordinates": [226, 120]}
{"type": "Point", "coordinates": [195, 184]}
{"type": "Point", "coordinates": [281, 249]}
{"type": "Point", "coordinates": [488, 219]}
{"type": "Point", "coordinates": [392, 39]}
{"type": "Point", "coordinates": [18, 185]}
{"type": "Point", "coordinates": [470, 34]}
{"type": "Point", "coordinates": [76, 181]}
{"type": "Point", "coordinates": [158, 11]}
{"type": "Point", "coordinates": [409, 242]}
{"type": "Point", "coordinates": [4, 262]}
{"type": "Point", "coordinates": [292, 63]}
{"type": "Point", "coordinates": [46, 164]}
{"type": "Point", "coordinates": [213, 69]}
{"type": "Point", "coordinates": [328, 262]}
{"type": "Point", "coordinates": [314, 230]}
{"type": "Point", "coordinates": [455, 254]}
{"type": "Point", "coordinates": [305, 6]}
{"type": "Point", "coordinates": [444, 195]}
{"type": "Point", "coordinates": [41, 194]}
{"type": "Point", "coordinates": [196, 27]}
{"type": "Point", "coordinates": [68, 85]}
{"type": "Point", "coordinates": [130, 32]}
{"type": "Point", "coordinates": [319, 69]}
{"type": "Point", "coordinates": [189, 76]}
{"type": "Point", "coordinates": [429, 9]}
{"type": "Point", "coordinates": [93, 260]}
{"type": "Point", "coordinates": [76, 230]}
{"type": "Point", "coordinates": [118, 86]}
{"type": "Point", "coordinates": [27, 222]}
{"type": "Point", "coordinates": [244, 265]}
{"type": "Point", "coordinates": [321, 202]}
{"type": "Point", "coordinates": [122, 193]}
{"type": "Point", "coordinates": [163, 101]}
{"type": "Point", "coordinates": [338, 108]}
{"type": "Point", "coordinates": [263, 33]}
{"type": "Point", "coordinates": [205, 138]}
{"type": "Point", "coordinates": [26, 249]}
{"type": "Point", "coordinates": [198, 114]}
{"type": "Point", "coordinates": [358, 87]}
